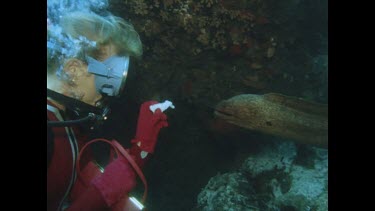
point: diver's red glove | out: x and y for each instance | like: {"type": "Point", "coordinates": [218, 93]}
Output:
{"type": "Point", "coordinates": [148, 126]}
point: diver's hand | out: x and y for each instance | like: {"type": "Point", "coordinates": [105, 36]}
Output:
{"type": "Point", "coordinates": [148, 126]}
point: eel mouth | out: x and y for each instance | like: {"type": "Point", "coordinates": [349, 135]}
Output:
{"type": "Point", "coordinates": [221, 112]}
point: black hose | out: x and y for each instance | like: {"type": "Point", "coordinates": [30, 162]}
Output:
{"type": "Point", "coordinates": [67, 123]}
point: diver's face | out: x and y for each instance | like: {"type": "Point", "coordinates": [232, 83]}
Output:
{"type": "Point", "coordinates": [86, 85]}
{"type": "Point", "coordinates": [82, 86]}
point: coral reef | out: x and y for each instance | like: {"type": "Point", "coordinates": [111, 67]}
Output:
{"type": "Point", "coordinates": [229, 191]}
{"type": "Point", "coordinates": [257, 46]}
{"type": "Point", "coordinates": [270, 180]}
{"type": "Point", "coordinates": [205, 23]}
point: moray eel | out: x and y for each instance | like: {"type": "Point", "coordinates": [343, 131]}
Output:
{"type": "Point", "coordinates": [279, 115]}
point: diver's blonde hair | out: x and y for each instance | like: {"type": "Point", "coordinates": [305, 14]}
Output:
{"type": "Point", "coordinates": [103, 30]}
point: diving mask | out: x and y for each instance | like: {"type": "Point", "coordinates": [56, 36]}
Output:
{"type": "Point", "coordinates": [110, 75]}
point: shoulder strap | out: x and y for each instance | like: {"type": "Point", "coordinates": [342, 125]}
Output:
{"type": "Point", "coordinates": [134, 165]}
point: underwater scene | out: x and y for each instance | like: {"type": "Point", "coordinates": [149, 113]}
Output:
{"type": "Point", "coordinates": [246, 127]}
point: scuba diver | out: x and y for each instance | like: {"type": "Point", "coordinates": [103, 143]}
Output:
{"type": "Point", "coordinates": [87, 63]}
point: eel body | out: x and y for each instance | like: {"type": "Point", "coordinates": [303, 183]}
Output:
{"type": "Point", "coordinates": [280, 115]}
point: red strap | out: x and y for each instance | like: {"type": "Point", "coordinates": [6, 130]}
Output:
{"type": "Point", "coordinates": [116, 146]}
{"type": "Point", "coordinates": [78, 168]}
{"type": "Point", "coordinates": [135, 166]}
